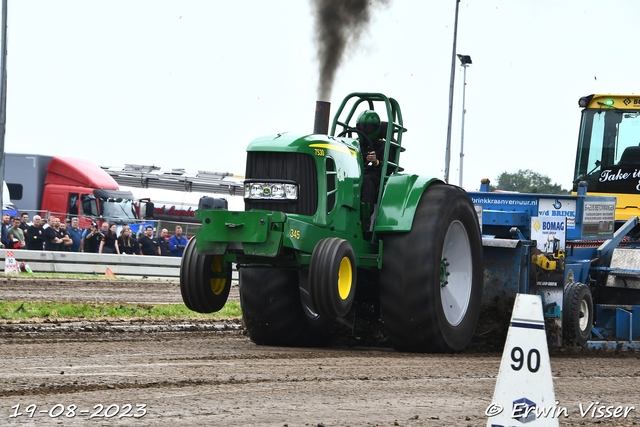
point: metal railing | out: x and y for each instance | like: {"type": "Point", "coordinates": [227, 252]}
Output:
{"type": "Point", "coordinates": [125, 266]}
{"type": "Point", "coordinates": [131, 266]}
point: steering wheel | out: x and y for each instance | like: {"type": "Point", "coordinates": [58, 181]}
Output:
{"type": "Point", "coordinates": [363, 135]}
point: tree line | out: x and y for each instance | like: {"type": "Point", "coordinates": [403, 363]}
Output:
{"type": "Point", "coordinates": [527, 181]}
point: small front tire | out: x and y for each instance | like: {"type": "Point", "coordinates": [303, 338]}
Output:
{"type": "Point", "coordinates": [332, 277]}
{"type": "Point", "coordinates": [577, 313]}
{"type": "Point", "coordinates": [205, 280]}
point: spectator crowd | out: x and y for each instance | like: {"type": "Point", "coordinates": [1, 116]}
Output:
{"type": "Point", "coordinates": [56, 235]}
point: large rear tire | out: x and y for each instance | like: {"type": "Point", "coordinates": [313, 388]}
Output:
{"type": "Point", "coordinates": [431, 280]}
{"type": "Point", "coordinates": [577, 313]}
{"type": "Point", "coordinates": [273, 311]}
{"type": "Point", "coordinates": [205, 280]}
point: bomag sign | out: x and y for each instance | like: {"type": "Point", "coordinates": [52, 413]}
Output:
{"type": "Point", "coordinates": [552, 226]}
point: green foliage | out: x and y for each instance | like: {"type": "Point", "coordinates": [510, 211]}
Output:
{"type": "Point", "coordinates": [527, 181]}
{"type": "Point", "coordinates": [55, 310]}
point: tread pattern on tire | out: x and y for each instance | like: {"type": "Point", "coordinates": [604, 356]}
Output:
{"type": "Point", "coordinates": [323, 280]}
{"type": "Point", "coordinates": [273, 313]}
{"type": "Point", "coordinates": [411, 305]}
{"type": "Point", "coordinates": [574, 293]}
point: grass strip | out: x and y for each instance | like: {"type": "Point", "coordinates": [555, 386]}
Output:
{"type": "Point", "coordinates": [16, 310]}
{"type": "Point", "coordinates": [95, 276]}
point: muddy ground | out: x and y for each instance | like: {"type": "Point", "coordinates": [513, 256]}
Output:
{"type": "Point", "coordinates": [195, 374]}
{"type": "Point", "coordinates": [94, 291]}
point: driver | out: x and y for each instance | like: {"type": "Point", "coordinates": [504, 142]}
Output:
{"type": "Point", "coordinates": [368, 122]}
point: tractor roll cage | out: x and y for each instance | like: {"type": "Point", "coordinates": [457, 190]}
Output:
{"type": "Point", "coordinates": [393, 135]}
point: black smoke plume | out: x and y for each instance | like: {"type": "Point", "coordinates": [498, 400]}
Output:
{"type": "Point", "coordinates": [339, 23]}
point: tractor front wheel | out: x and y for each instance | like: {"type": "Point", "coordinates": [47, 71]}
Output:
{"type": "Point", "coordinates": [205, 280]}
{"type": "Point", "coordinates": [273, 311]}
{"type": "Point", "coordinates": [332, 277]}
{"type": "Point", "coordinates": [431, 279]}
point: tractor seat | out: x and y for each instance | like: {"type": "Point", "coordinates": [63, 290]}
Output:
{"type": "Point", "coordinates": [384, 126]}
{"type": "Point", "coordinates": [630, 157]}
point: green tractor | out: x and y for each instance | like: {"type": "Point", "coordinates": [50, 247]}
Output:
{"type": "Point", "coordinates": [309, 251]}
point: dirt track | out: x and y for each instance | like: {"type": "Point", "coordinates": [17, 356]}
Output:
{"type": "Point", "coordinates": [211, 374]}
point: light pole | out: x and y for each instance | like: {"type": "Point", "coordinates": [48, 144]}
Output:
{"type": "Point", "coordinates": [3, 95]}
{"type": "Point", "coordinates": [447, 151]}
{"type": "Point", "coordinates": [465, 60]}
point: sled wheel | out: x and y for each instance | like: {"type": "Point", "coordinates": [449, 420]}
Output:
{"type": "Point", "coordinates": [332, 277]}
{"type": "Point", "coordinates": [577, 313]}
{"type": "Point", "coordinates": [205, 280]}
{"type": "Point", "coordinates": [431, 278]}
{"type": "Point", "coordinates": [273, 312]}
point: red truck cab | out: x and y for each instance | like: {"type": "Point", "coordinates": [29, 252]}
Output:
{"type": "Point", "coordinates": [76, 187]}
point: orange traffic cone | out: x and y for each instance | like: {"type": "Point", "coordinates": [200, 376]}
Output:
{"type": "Point", "coordinates": [109, 273]}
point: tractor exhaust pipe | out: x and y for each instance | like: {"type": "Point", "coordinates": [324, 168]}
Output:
{"type": "Point", "coordinates": [321, 122]}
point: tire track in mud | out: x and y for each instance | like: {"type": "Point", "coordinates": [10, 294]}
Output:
{"type": "Point", "coordinates": [96, 291]}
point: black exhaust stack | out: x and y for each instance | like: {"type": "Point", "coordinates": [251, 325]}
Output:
{"type": "Point", "coordinates": [321, 122]}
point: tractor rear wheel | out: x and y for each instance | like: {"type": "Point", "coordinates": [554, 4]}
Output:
{"type": "Point", "coordinates": [431, 279]}
{"type": "Point", "coordinates": [205, 280]}
{"type": "Point", "coordinates": [273, 312]}
{"type": "Point", "coordinates": [577, 313]}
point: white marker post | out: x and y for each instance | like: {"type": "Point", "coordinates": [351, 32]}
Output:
{"type": "Point", "coordinates": [10, 264]}
{"type": "Point", "coordinates": [524, 390]}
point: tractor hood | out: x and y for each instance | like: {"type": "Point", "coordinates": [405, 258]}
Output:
{"type": "Point", "coordinates": [291, 142]}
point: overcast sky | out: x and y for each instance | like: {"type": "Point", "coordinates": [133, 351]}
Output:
{"type": "Point", "coordinates": [188, 84]}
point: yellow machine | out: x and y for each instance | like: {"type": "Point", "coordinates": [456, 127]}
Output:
{"type": "Point", "coordinates": [555, 263]}
{"type": "Point", "coordinates": [608, 157]}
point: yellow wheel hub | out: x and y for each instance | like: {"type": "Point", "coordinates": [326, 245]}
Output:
{"type": "Point", "coordinates": [345, 276]}
{"type": "Point", "coordinates": [217, 283]}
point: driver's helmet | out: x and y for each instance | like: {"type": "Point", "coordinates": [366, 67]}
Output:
{"type": "Point", "coordinates": [368, 122]}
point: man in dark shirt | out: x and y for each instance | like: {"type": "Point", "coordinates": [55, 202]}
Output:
{"type": "Point", "coordinates": [6, 219]}
{"type": "Point", "coordinates": [66, 239]}
{"type": "Point", "coordinates": [91, 242]}
{"type": "Point", "coordinates": [368, 123]}
{"type": "Point", "coordinates": [148, 245]}
{"type": "Point", "coordinates": [24, 219]}
{"type": "Point", "coordinates": [35, 236]}
{"type": "Point", "coordinates": [53, 238]}
{"type": "Point", "coordinates": [163, 243]}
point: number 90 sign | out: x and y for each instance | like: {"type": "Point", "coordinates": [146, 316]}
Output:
{"type": "Point", "coordinates": [532, 359]}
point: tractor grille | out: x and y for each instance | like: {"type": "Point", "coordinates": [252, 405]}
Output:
{"type": "Point", "coordinates": [296, 167]}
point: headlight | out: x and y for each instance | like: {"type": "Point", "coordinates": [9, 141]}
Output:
{"type": "Point", "coordinates": [270, 190]}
